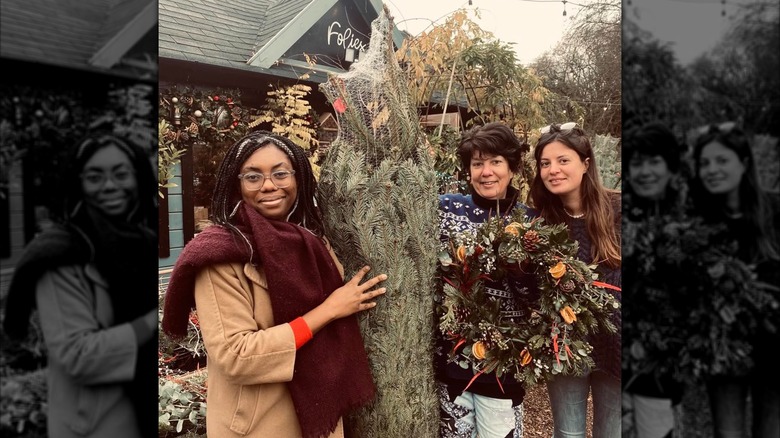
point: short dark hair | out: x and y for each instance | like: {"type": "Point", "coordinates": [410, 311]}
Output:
{"type": "Point", "coordinates": [651, 139]}
{"type": "Point", "coordinates": [493, 139]}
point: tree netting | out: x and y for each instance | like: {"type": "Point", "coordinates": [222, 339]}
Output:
{"type": "Point", "coordinates": [378, 195]}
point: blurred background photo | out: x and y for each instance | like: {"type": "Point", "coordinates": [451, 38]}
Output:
{"type": "Point", "coordinates": [701, 120]}
{"type": "Point", "coordinates": [70, 69]}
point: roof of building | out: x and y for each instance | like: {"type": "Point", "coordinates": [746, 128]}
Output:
{"type": "Point", "coordinates": [97, 35]}
{"type": "Point", "coordinates": [209, 32]}
{"type": "Point", "coordinates": [249, 35]}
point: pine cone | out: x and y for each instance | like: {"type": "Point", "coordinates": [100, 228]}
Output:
{"type": "Point", "coordinates": [493, 338]}
{"type": "Point", "coordinates": [461, 314]}
{"type": "Point", "coordinates": [568, 286]}
{"type": "Point", "coordinates": [192, 129]}
{"type": "Point", "coordinates": [488, 340]}
{"type": "Point", "coordinates": [531, 241]}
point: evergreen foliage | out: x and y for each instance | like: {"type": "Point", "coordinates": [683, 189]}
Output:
{"type": "Point", "coordinates": [378, 194]}
{"type": "Point", "coordinates": [607, 148]}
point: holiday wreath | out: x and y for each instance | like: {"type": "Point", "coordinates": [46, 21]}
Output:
{"type": "Point", "coordinates": [553, 340]}
{"type": "Point", "coordinates": [695, 308]}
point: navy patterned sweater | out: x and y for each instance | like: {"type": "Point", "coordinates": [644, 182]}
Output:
{"type": "Point", "coordinates": [466, 212]}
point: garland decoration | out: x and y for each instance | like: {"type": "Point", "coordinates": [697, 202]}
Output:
{"type": "Point", "coordinates": [203, 115]}
{"type": "Point", "coordinates": [572, 304]}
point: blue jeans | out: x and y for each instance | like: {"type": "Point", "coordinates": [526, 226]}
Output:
{"type": "Point", "coordinates": [472, 415]}
{"type": "Point", "coordinates": [728, 401]}
{"type": "Point", "coordinates": [569, 403]}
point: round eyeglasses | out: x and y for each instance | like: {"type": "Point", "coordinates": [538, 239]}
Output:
{"type": "Point", "coordinates": [254, 180]}
{"type": "Point", "coordinates": [95, 179]}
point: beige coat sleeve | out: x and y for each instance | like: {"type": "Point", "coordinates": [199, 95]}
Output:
{"type": "Point", "coordinates": [239, 333]}
{"type": "Point", "coordinates": [73, 320]}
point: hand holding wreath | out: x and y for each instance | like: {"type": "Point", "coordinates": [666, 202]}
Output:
{"type": "Point", "coordinates": [552, 340]}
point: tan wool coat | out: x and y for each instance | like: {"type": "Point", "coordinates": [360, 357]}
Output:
{"type": "Point", "coordinates": [89, 357]}
{"type": "Point", "coordinates": [251, 357]}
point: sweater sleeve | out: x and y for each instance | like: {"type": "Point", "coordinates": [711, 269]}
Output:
{"type": "Point", "coordinates": [301, 331]}
{"type": "Point", "coordinates": [245, 351]}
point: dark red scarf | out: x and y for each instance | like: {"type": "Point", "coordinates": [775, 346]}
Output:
{"type": "Point", "coordinates": [57, 246]}
{"type": "Point", "coordinates": [332, 374]}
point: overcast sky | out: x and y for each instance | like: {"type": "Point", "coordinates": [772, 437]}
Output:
{"type": "Point", "coordinates": [535, 26]}
{"type": "Point", "coordinates": [691, 26]}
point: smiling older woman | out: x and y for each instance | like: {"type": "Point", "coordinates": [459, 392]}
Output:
{"type": "Point", "coordinates": [486, 407]}
{"type": "Point", "coordinates": [653, 155]}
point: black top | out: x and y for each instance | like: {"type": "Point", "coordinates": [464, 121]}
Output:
{"type": "Point", "coordinates": [606, 346]}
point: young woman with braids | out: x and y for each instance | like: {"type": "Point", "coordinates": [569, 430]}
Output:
{"type": "Point", "coordinates": [567, 189]}
{"type": "Point", "coordinates": [285, 356]}
{"type": "Point", "coordinates": [93, 281]}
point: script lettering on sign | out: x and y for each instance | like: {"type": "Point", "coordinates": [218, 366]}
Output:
{"type": "Point", "coordinates": [346, 39]}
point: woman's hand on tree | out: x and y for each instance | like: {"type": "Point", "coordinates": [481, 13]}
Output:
{"type": "Point", "coordinates": [353, 296]}
{"type": "Point", "coordinates": [349, 299]}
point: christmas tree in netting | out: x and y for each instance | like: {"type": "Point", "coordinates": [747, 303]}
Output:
{"type": "Point", "coordinates": [378, 195]}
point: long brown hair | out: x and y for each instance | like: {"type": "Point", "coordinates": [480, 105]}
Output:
{"type": "Point", "coordinates": [754, 202]}
{"type": "Point", "coordinates": [601, 204]}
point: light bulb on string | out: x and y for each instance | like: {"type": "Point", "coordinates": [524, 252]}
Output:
{"type": "Point", "coordinates": [723, 8]}
{"type": "Point", "coordinates": [564, 8]}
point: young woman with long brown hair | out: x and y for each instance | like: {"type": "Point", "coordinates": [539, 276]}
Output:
{"type": "Point", "coordinates": [567, 189]}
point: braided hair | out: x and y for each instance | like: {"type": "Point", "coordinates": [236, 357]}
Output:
{"type": "Point", "coordinates": [146, 209]}
{"type": "Point", "coordinates": [227, 194]}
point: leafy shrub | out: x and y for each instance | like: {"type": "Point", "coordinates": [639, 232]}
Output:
{"type": "Point", "coordinates": [23, 404]}
{"type": "Point", "coordinates": [182, 404]}
{"type": "Point", "coordinates": [606, 149]}
{"type": "Point", "coordinates": [767, 163]}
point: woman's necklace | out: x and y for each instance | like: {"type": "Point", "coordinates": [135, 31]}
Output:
{"type": "Point", "coordinates": [574, 216]}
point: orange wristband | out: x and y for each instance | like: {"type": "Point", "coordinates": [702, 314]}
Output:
{"type": "Point", "coordinates": [301, 331]}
